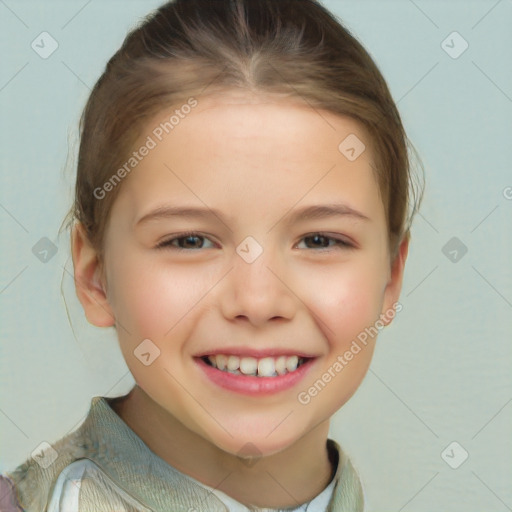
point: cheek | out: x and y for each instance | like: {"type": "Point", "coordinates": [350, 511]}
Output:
{"type": "Point", "coordinates": [156, 302]}
{"type": "Point", "coordinates": [346, 301]}
{"type": "Point", "coordinates": [149, 301]}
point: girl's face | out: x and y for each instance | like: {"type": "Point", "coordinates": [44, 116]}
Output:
{"type": "Point", "coordinates": [255, 278]}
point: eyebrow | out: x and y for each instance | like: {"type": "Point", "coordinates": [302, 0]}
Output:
{"type": "Point", "coordinates": [305, 213]}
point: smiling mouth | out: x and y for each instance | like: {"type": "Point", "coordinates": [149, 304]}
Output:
{"type": "Point", "coordinates": [255, 367]}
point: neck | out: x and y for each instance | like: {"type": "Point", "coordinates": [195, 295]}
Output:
{"type": "Point", "coordinates": [293, 476]}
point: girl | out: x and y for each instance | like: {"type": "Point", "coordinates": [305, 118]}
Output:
{"type": "Point", "coordinates": [242, 213]}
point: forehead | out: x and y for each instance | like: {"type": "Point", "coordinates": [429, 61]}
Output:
{"type": "Point", "coordinates": [245, 148]}
{"type": "Point", "coordinates": [265, 115]}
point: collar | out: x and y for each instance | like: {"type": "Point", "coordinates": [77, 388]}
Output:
{"type": "Point", "coordinates": [115, 440]}
{"type": "Point", "coordinates": [106, 440]}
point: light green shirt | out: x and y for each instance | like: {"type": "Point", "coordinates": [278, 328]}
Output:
{"type": "Point", "coordinates": [103, 466]}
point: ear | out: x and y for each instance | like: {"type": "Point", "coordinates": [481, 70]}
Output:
{"type": "Point", "coordinates": [89, 282]}
{"type": "Point", "coordinates": [394, 284]}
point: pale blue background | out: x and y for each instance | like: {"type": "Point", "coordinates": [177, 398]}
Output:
{"type": "Point", "coordinates": [441, 372]}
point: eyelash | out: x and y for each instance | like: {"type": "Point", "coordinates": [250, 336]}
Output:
{"type": "Point", "coordinates": [166, 244]}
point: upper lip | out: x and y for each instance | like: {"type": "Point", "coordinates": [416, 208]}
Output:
{"type": "Point", "coordinates": [256, 353]}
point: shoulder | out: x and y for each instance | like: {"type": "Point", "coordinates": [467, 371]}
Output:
{"type": "Point", "coordinates": [30, 485]}
{"type": "Point", "coordinates": [8, 496]}
{"type": "Point", "coordinates": [71, 485]}
{"type": "Point", "coordinates": [83, 485]}
{"type": "Point", "coordinates": [348, 494]}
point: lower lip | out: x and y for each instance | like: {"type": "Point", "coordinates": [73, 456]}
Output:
{"type": "Point", "coordinates": [256, 386]}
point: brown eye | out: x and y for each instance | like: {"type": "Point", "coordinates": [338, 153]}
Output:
{"type": "Point", "coordinates": [186, 241]}
{"type": "Point", "coordinates": [322, 241]}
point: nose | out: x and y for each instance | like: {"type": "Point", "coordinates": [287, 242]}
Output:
{"type": "Point", "coordinates": [258, 292]}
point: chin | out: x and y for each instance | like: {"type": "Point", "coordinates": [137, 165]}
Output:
{"type": "Point", "coordinates": [254, 445]}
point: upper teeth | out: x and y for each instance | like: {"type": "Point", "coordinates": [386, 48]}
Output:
{"type": "Point", "coordinates": [265, 367]}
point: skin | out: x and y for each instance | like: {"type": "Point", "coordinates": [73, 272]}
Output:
{"type": "Point", "coordinates": [255, 158]}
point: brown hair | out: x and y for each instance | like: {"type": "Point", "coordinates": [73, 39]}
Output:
{"type": "Point", "coordinates": [296, 48]}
